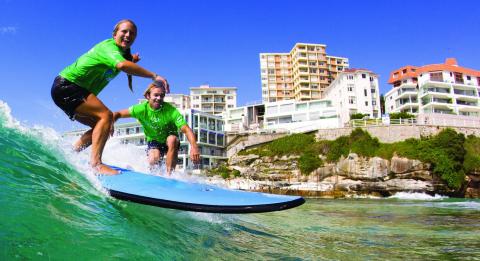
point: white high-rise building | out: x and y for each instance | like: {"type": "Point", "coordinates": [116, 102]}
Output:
{"type": "Point", "coordinates": [435, 89]}
{"type": "Point", "coordinates": [213, 100]}
{"type": "Point", "coordinates": [180, 101]}
{"type": "Point", "coordinates": [355, 91]}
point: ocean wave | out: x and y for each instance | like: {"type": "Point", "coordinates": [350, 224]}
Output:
{"type": "Point", "coordinates": [417, 196]}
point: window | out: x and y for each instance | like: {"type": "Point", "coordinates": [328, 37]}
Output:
{"type": "Point", "coordinates": [350, 77]}
{"type": "Point", "coordinates": [458, 78]}
{"type": "Point", "coordinates": [364, 76]}
{"type": "Point", "coordinates": [365, 92]}
{"type": "Point", "coordinates": [469, 78]}
{"type": "Point", "coordinates": [351, 100]}
{"type": "Point", "coordinates": [350, 87]}
{"type": "Point", "coordinates": [436, 76]}
{"type": "Point", "coordinates": [366, 103]}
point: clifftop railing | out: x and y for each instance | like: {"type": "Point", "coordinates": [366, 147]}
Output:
{"type": "Point", "coordinates": [382, 122]}
{"type": "Point", "coordinates": [434, 119]}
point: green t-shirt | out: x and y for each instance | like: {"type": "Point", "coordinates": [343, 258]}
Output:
{"type": "Point", "coordinates": [96, 68]}
{"type": "Point", "coordinates": [158, 124]}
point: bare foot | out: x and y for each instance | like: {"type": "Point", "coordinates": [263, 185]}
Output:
{"type": "Point", "coordinates": [105, 170]}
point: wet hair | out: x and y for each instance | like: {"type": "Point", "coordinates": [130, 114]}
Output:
{"type": "Point", "coordinates": [151, 86]}
{"type": "Point", "coordinates": [128, 53]}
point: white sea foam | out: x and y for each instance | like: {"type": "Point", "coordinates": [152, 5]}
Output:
{"type": "Point", "coordinates": [463, 204]}
{"type": "Point", "coordinates": [417, 196]}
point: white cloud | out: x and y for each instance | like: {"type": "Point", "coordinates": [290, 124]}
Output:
{"type": "Point", "coordinates": [8, 30]}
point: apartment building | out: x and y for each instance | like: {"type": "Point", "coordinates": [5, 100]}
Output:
{"type": "Point", "coordinates": [245, 118]}
{"type": "Point", "coordinates": [434, 89]}
{"type": "Point", "coordinates": [283, 116]}
{"type": "Point", "coordinates": [355, 91]}
{"type": "Point", "coordinates": [213, 100]}
{"type": "Point", "coordinates": [180, 101]}
{"type": "Point", "coordinates": [302, 74]}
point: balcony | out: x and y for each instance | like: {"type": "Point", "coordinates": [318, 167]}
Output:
{"type": "Point", "coordinates": [435, 100]}
{"type": "Point", "coordinates": [401, 102]}
{"type": "Point", "coordinates": [471, 93]}
{"type": "Point", "coordinates": [436, 92]}
{"type": "Point", "coordinates": [467, 103]}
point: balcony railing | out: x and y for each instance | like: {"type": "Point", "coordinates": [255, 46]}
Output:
{"type": "Point", "coordinates": [436, 100]}
{"type": "Point", "coordinates": [436, 90]}
{"type": "Point", "coordinates": [460, 102]}
{"type": "Point", "coordinates": [465, 93]}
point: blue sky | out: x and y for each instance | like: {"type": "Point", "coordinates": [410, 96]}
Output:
{"type": "Point", "coordinates": [218, 42]}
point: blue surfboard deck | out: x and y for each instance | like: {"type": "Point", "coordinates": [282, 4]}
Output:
{"type": "Point", "coordinates": [170, 193]}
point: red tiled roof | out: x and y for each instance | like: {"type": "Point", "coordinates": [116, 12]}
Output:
{"type": "Point", "coordinates": [449, 65]}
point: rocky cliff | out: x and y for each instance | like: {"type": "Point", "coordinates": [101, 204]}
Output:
{"type": "Point", "coordinates": [349, 176]}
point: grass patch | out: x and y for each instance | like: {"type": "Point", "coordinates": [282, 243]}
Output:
{"type": "Point", "coordinates": [223, 171]}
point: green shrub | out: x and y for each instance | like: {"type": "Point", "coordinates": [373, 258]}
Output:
{"type": "Point", "coordinates": [236, 173]}
{"type": "Point", "coordinates": [472, 155]}
{"type": "Point", "coordinates": [223, 171]}
{"type": "Point", "coordinates": [291, 144]}
{"type": "Point", "coordinates": [363, 144]}
{"type": "Point", "coordinates": [357, 116]}
{"type": "Point", "coordinates": [308, 162]}
{"type": "Point", "coordinates": [401, 115]}
{"type": "Point", "coordinates": [337, 148]}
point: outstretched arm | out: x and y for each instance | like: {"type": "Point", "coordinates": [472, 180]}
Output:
{"type": "Point", "coordinates": [116, 115]}
{"type": "Point", "coordinates": [194, 151]}
{"type": "Point", "coordinates": [121, 114]}
{"type": "Point", "coordinates": [137, 70]}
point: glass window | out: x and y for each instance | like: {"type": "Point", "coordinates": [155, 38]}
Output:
{"type": "Point", "coordinates": [220, 140]}
{"type": "Point", "coordinates": [203, 136]}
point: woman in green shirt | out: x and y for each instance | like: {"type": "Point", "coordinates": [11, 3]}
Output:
{"type": "Point", "coordinates": [76, 88]}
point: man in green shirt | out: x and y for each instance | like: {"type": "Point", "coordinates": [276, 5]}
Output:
{"type": "Point", "coordinates": [161, 122]}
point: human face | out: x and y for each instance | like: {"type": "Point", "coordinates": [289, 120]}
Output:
{"type": "Point", "coordinates": [125, 35]}
{"type": "Point", "coordinates": [155, 99]}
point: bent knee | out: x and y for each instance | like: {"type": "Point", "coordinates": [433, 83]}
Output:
{"type": "Point", "coordinates": [173, 141]}
{"type": "Point", "coordinates": [107, 114]}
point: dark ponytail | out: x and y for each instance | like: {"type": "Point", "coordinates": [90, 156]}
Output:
{"type": "Point", "coordinates": [128, 56]}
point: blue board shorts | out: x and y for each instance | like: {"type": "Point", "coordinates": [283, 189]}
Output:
{"type": "Point", "coordinates": [68, 96]}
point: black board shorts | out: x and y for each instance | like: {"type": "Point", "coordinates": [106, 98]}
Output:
{"type": "Point", "coordinates": [68, 96]}
{"type": "Point", "coordinates": [162, 147]}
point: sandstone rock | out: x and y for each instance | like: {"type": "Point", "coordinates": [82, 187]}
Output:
{"type": "Point", "coordinates": [400, 165]}
{"type": "Point", "coordinates": [362, 168]}
{"type": "Point", "coordinates": [242, 160]}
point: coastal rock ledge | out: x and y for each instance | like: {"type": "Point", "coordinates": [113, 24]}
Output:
{"type": "Point", "coordinates": [350, 176]}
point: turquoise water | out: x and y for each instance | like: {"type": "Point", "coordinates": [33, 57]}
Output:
{"type": "Point", "coordinates": [51, 209]}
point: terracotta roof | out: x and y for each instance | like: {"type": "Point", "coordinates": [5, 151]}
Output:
{"type": "Point", "coordinates": [450, 65]}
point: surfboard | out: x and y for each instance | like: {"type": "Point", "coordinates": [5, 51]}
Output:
{"type": "Point", "coordinates": [165, 192]}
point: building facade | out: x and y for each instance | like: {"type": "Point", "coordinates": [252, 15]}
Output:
{"type": "Point", "coordinates": [355, 91]}
{"type": "Point", "coordinates": [180, 101]}
{"type": "Point", "coordinates": [244, 118]}
{"type": "Point", "coordinates": [213, 100]}
{"type": "Point", "coordinates": [302, 74]}
{"type": "Point", "coordinates": [283, 116]}
{"type": "Point", "coordinates": [435, 89]}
